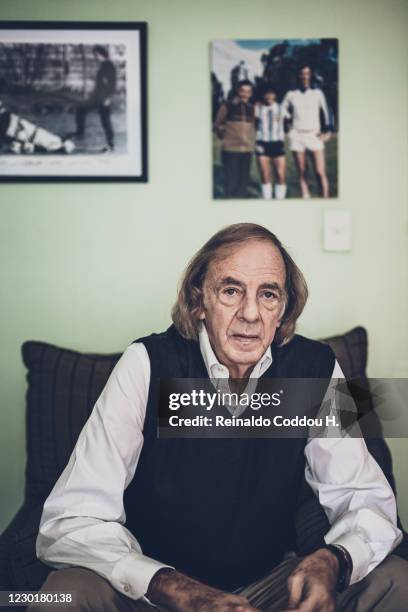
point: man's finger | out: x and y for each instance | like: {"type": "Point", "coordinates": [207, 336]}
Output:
{"type": "Point", "coordinates": [315, 602]}
{"type": "Point", "coordinates": [295, 588]}
{"type": "Point", "coordinates": [311, 604]}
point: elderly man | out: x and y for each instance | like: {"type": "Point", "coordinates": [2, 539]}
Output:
{"type": "Point", "coordinates": [194, 525]}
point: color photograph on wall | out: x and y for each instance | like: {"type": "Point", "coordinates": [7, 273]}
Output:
{"type": "Point", "coordinates": [73, 101]}
{"type": "Point", "coordinates": [275, 118]}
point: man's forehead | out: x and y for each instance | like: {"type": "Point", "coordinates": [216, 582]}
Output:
{"type": "Point", "coordinates": [261, 261]}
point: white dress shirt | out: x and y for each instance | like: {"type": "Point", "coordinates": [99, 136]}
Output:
{"type": "Point", "coordinates": [83, 518]}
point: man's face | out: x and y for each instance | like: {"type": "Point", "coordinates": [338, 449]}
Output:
{"type": "Point", "coordinates": [305, 76]}
{"type": "Point", "coordinates": [244, 296]}
{"type": "Point", "coordinates": [269, 98]}
{"type": "Point", "coordinates": [245, 93]}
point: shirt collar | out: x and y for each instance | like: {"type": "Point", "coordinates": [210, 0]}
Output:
{"type": "Point", "coordinates": [216, 369]}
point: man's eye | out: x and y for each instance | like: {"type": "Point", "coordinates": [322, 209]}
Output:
{"type": "Point", "coordinates": [230, 291]}
{"type": "Point", "coordinates": [269, 295]}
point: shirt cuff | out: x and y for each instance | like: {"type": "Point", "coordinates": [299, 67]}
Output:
{"type": "Point", "coordinates": [132, 574]}
{"type": "Point", "coordinates": [359, 551]}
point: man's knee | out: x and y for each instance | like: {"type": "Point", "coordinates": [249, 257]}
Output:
{"type": "Point", "coordinates": [385, 589]}
{"type": "Point", "coordinates": [87, 590]}
{"type": "Point", "coordinates": [392, 575]}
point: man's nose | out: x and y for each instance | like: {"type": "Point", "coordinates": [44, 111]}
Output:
{"type": "Point", "coordinates": [249, 309]}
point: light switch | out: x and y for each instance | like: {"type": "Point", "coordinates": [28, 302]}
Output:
{"type": "Point", "coordinates": [337, 230]}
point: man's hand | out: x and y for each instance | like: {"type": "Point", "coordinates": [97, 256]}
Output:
{"type": "Point", "coordinates": [325, 137]}
{"type": "Point", "coordinates": [312, 585]}
{"type": "Point", "coordinates": [180, 593]}
{"type": "Point", "coordinates": [219, 131]}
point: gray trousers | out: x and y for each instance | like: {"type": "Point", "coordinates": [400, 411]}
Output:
{"type": "Point", "coordinates": [385, 589]}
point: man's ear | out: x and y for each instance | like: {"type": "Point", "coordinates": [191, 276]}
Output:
{"type": "Point", "coordinates": [201, 314]}
{"type": "Point", "coordinates": [279, 323]}
{"type": "Point", "coordinates": [200, 309]}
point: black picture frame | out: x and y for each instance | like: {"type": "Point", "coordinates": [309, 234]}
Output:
{"type": "Point", "coordinates": [52, 91]}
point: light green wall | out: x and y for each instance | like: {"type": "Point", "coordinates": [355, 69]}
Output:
{"type": "Point", "coordinates": [93, 266]}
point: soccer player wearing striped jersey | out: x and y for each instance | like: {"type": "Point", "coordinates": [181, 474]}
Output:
{"type": "Point", "coordinates": [269, 148]}
{"type": "Point", "coordinates": [307, 109]}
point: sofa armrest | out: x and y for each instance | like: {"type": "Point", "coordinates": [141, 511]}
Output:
{"type": "Point", "coordinates": [20, 569]}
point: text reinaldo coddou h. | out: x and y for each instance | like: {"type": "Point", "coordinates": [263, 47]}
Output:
{"type": "Point", "coordinates": [255, 401]}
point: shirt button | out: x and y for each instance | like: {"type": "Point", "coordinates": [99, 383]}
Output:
{"type": "Point", "coordinates": [126, 588]}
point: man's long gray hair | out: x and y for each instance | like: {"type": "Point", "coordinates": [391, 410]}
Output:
{"type": "Point", "coordinates": [190, 295]}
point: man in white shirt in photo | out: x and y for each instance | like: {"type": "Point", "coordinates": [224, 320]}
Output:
{"type": "Point", "coordinates": [197, 525]}
{"type": "Point", "coordinates": [307, 111]}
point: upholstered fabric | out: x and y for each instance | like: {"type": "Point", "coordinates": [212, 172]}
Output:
{"type": "Point", "coordinates": [63, 386]}
{"type": "Point", "coordinates": [351, 352]}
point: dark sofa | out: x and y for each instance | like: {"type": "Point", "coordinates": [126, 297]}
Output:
{"type": "Point", "coordinates": [63, 386]}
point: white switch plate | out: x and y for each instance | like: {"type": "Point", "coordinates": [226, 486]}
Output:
{"type": "Point", "coordinates": [337, 230]}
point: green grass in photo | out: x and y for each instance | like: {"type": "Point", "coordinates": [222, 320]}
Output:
{"type": "Point", "coordinates": [254, 187]}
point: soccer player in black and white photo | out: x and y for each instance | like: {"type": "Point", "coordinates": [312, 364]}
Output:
{"type": "Point", "coordinates": [101, 98]}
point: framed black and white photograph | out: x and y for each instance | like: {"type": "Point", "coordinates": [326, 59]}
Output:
{"type": "Point", "coordinates": [275, 118]}
{"type": "Point", "coordinates": [73, 101]}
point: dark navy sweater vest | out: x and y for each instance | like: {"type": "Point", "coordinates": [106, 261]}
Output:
{"type": "Point", "coordinates": [220, 510]}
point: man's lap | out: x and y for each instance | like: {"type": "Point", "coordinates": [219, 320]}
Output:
{"type": "Point", "coordinates": [385, 589]}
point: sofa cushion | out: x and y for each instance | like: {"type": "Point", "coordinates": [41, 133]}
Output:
{"type": "Point", "coordinates": [63, 386]}
{"type": "Point", "coordinates": [351, 352]}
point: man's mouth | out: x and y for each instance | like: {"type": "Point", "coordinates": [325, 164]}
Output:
{"type": "Point", "coordinates": [245, 338]}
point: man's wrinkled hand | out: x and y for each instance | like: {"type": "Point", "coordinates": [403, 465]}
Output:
{"type": "Point", "coordinates": [312, 585]}
{"type": "Point", "coordinates": [217, 601]}
{"type": "Point", "coordinates": [180, 593]}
